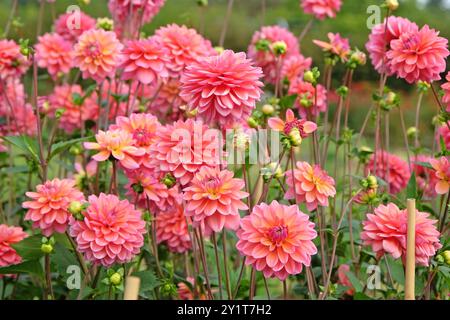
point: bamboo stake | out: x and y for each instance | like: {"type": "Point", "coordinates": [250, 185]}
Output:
{"type": "Point", "coordinates": [132, 288]}
{"type": "Point", "coordinates": [410, 251]}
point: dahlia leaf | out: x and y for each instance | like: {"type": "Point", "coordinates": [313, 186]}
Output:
{"type": "Point", "coordinates": [25, 144]}
{"type": "Point", "coordinates": [62, 146]}
{"type": "Point", "coordinates": [411, 189]}
{"type": "Point", "coordinates": [29, 248]}
{"type": "Point", "coordinates": [31, 267]}
{"type": "Point", "coordinates": [355, 282]}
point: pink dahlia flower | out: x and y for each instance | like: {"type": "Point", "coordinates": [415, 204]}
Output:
{"type": "Point", "coordinates": [277, 240]}
{"type": "Point", "coordinates": [294, 67]}
{"type": "Point", "coordinates": [310, 185]}
{"type": "Point", "coordinates": [398, 175]}
{"type": "Point", "coordinates": [446, 89]}
{"type": "Point", "coordinates": [214, 199]}
{"type": "Point", "coordinates": [185, 46]}
{"type": "Point", "coordinates": [418, 55]}
{"type": "Point", "coordinates": [70, 28]}
{"type": "Point", "coordinates": [444, 133]}
{"type": "Point", "coordinates": [145, 61]}
{"type": "Point", "coordinates": [306, 101]}
{"type": "Point", "coordinates": [337, 46]}
{"type": "Point", "coordinates": [224, 88]}
{"type": "Point", "coordinates": [172, 229]}
{"type": "Point", "coordinates": [48, 207]}
{"type": "Point", "coordinates": [12, 62]}
{"type": "Point", "coordinates": [97, 54]}
{"type": "Point", "coordinates": [8, 236]}
{"type": "Point", "coordinates": [386, 230]}
{"type": "Point", "coordinates": [425, 177]}
{"type": "Point", "coordinates": [55, 54]}
{"type": "Point", "coordinates": [111, 231]}
{"type": "Point", "coordinates": [167, 101]}
{"type": "Point", "coordinates": [136, 12]}
{"type": "Point", "coordinates": [380, 39]}
{"type": "Point", "coordinates": [321, 9]}
{"type": "Point", "coordinates": [344, 280]}
{"type": "Point", "coordinates": [442, 174]}
{"type": "Point", "coordinates": [304, 127]}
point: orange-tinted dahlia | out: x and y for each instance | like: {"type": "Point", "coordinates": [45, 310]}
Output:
{"type": "Point", "coordinates": [8, 236]}
{"type": "Point", "coordinates": [55, 54]}
{"type": "Point", "coordinates": [172, 229]}
{"type": "Point", "coordinates": [442, 174]}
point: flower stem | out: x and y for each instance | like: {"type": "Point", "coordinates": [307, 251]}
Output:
{"type": "Point", "coordinates": [226, 22]}
{"type": "Point", "coordinates": [219, 273]}
{"type": "Point", "coordinates": [225, 265]}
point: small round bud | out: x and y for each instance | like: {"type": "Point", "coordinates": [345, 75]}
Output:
{"type": "Point", "coordinates": [342, 91]}
{"type": "Point", "coordinates": [392, 4]}
{"type": "Point", "coordinates": [76, 207]}
{"type": "Point", "coordinates": [219, 50]}
{"type": "Point", "coordinates": [276, 170]}
{"type": "Point", "coordinates": [169, 180]}
{"type": "Point", "coordinates": [308, 76]}
{"type": "Point", "coordinates": [268, 109]}
{"type": "Point", "coordinates": [105, 24]}
{"type": "Point", "coordinates": [279, 48]}
{"type": "Point", "coordinates": [391, 98]}
{"type": "Point", "coordinates": [295, 137]}
{"type": "Point", "coordinates": [305, 102]}
{"type": "Point", "coordinates": [263, 45]}
{"type": "Point", "coordinates": [412, 132]}
{"type": "Point", "coordinates": [446, 255]}
{"type": "Point", "coordinates": [358, 57]}
{"type": "Point", "coordinates": [252, 123]}
{"type": "Point", "coordinates": [115, 279]}
{"type": "Point", "coordinates": [75, 150]}
{"type": "Point", "coordinates": [372, 182]}
{"type": "Point", "coordinates": [46, 248]}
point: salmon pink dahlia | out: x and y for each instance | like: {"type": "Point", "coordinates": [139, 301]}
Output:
{"type": "Point", "coordinates": [214, 198]}
{"type": "Point", "coordinates": [343, 279]}
{"type": "Point", "coordinates": [55, 54]}
{"type": "Point", "coordinates": [386, 230]}
{"type": "Point", "coordinates": [259, 50]}
{"type": "Point", "coordinates": [310, 185]}
{"type": "Point", "coordinates": [295, 66]}
{"type": "Point", "coordinates": [224, 88]}
{"type": "Point", "coordinates": [167, 101]}
{"type": "Point", "coordinates": [172, 229]}
{"type": "Point", "coordinates": [321, 9]}
{"type": "Point", "coordinates": [338, 46]}
{"type": "Point", "coordinates": [111, 230]}
{"type": "Point", "coordinates": [444, 133]}
{"type": "Point", "coordinates": [304, 127]}
{"type": "Point", "coordinates": [308, 102]}
{"type": "Point", "coordinates": [12, 62]}
{"type": "Point", "coordinates": [418, 55]}
{"type": "Point", "coordinates": [8, 236]}
{"type": "Point", "coordinates": [446, 89]}
{"type": "Point", "coordinates": [70, 28]}
{"type": "Point", "coordinates": [442, 174]}
{"type": "Point", "coordinates": [48, 207]}
{"type": "Point", "coordinates": [134, 10]}
{"type": "Point", "coordinates": [277, 240]}
{"type": "Point", "coordinates": [97, 54]}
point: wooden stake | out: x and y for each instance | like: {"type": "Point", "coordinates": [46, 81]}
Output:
{"type": "Point", "coordinates": [132, 288]}
{"type": "Point", "coordinates": [410, 272]}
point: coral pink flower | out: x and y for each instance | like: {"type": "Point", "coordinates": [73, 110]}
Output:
{"type": "Point", "coordinates": [398, 175]}
{"type": "Point", "coordinates": [337, 46]}
{"type": "Point", "coordinates": [73, 115]}
{"type": "Point", "coordinates": [304, 127]}
{"type": "Point", "coordinates": [310, 185]}
{"type": "Point", "coordinates": [183, 147]}
{"type": "Point", "coordinates": [321, 9]}
{"type": "Point", "coordinates": [381, 37]}
{"type": "Point", "coordinates": [172, 229]}
{"type": "Point", "coordinates": [214, 199]}
{"type": "Point", "coordinates": [167, 101]}
{"type": "Point", "coordinates": [444, 133]}
{"type": "Point", "coordinates": [8, 236]}
{"type": "Point", "coordinates": [266, 59]}
{"type": "Point", "coordinates": [277, 240]}
{"type": "Point", "coordinates": [12, 62]}
{"type": "Point", "coordinates": [48, 208]}
{"type": "Point", "coordinates": [442, 174]}
{"type": "Point", "coordinates": [136, 11]}
{"type": "Point", "coordinates": [55, 54]}
{"type": "Point", "coordinates": [12, 94]}
{"type": "Point", "coordinates": [306, 101]}
{"type": "Point", "coordinates": [295, 66]}
{"type": "Point", "coordinates": [70, 28]}
{"type": "Point", "coordinates": [418, 55]}
{"type": "Point", "coordinates": [344, 280]}
{"type": "Point", "coordinates": [386, 229]}
{"type": "Point", "coordinates": [446, 89]}
{"type": "Point", "coordinates": [144, 61]}
{"type": "Point", "coordinates": [97, 54]}
{"type": "Point", "coordinates": [116, 143]}
{"type": "Point", "coordinates": [111, 231]}
{"type": "Point", "coordinates": [224, 88]}
{"type": "Point", "coordinates": [425, 177]}
{"type": "Point", "coordinates": [185, 46]}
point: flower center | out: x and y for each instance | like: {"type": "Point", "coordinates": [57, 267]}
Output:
{"type": "Point", "coordinates": [295, 124]}
{"type": "Point", "coordinates": [410, 42]}
{"type": "Point", "coordinates": [212, 186]}
{"type": "Point", "coordinates": [93, 51]}
{"type": "Point", "coordinates": [278, 233]}
{"type": "Point", "coordinates": [142, 137]}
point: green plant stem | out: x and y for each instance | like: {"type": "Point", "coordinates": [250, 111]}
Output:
{"type": "Point", "coordinates": [219, 273]}
{"type": "Point", "coordinates": [223, 33]}
{"type": "Point", "coordinates": [48, 279]}
{"type": "Point", "coordinates": [225, 265]}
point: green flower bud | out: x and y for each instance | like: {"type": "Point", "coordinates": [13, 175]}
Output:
{"type": "Point", "coordinates": [115, 279]}
{"type": "Point", "coordinates": [295, 137]}
{"type": "Point", "coordinates": [268, 109]}
{"type": "Point", "coordinates": [412, 132]}
{"type": "Point", "coordinates": [219, 50]}
{"type": "Point", "coordinates": [279, 48]}
{"type": "Point", "coordinates": [252, 123]}
{"type": "Point", "coordinates": [169, 180]}
{"type": "Point", "coordinates": [446, 255]}
{"type": "Point", "coordinates": [308, 76]}
{"type": "Point", "coordinates": [392, 4]}
{"type": "Point", "coordinates": [105, 24]}
{"type": "Point", "coordinates": [46, 248]}
{"type": "Point", "coordinates": [342, 91]}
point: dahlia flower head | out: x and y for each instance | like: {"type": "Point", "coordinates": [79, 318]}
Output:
{"type": "Point", "coordinates": [8, 236]}
{"type": "Point", "coordinates": [70, 28]}
{"type": "Point", "coordinates": [337, 46]}
{"type": "Point", "coordinates": [111, 231]}
{"type": "Point", "coordinates": [223, 88]}
{"type": "Point", "coordinates": [48, 207]}
{"type": "Point", "coordinates": [172, 229]}
{"type": "Point", "coordinates": [442, 174]}
{"type": "Point", "coordinates": [184, 46]}
{"type": "Point", "coordinates": [304, 127]}
{"type": "Point", "coordinates": [321, 9]}
{"type": "Point", "coordinates": [444, 133]}
{"type": "Point", "coordinates": [12, 95]}
{"type": "Point", "coordinates": [343, 279]}
{"type": "Point", "coordinates": [295, 66]}
{"type": "Point", "coordinates": [55, 54]}
{"type": "Point", "coordinates": [386, 231]}
{"type": "Point", "coordinates": [213, 200]}
{"type": "Point", "coordinates": [167, 102]}
{"type": "Point", "coordinates": [277, 240]}
{"type": "Point", "coordinates": [398, 175]}
{"type": "Point", "coordinates": [446, 88]}
{"type": "Point", "coordinates": [425, 177]}
{"type": "Point", "coordinates": [310, 185]}
{"type": "Point", "coordinates": [13, 64]}
{"type": "Point", "coordinates": [143, 10]}
{"type": "Point", "coordinates": [97, 54]}
{"type": "Point", "coordinates": [266, 59]}
{"type": "Point", "coordinates": [306, 101]}
{"type": "Point", "coordinates": [183, 147]}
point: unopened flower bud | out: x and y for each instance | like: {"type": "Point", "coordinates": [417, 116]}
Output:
{"type": "Point", "coordinates": [46, 248]}
{"type": "Point", "coordinates": [392, 4]}
{"type": "Point", "coordinates": [276, 170]}
{"type": "Point", "coordinates": [308, 76]}
{"type": "Point", "coordinates": [295, 137]}
{"type": "Point", "coordinates": [105, 24]}
{"type": "Point", "coordinates": [59, 112]}
{"type": "Point", "coordinates": [305, 102]}
{"type": "Point", "coordinates": [446, 255]}
{"type": "Point", "coordinates": [241, 140]}
{"type": "Point", "coordinates": [279, 48]}
{"type": "Point", "coordinates": [115, 279]}
{"type": "Point", "coordinates": [372, 182]}
{"type": "Point", "coordinates": [219, 50]}
{"type": "Point", "coordinates": [412, 132]}
{"type": "Point", "coordinates": [268, 109]}
{"type": "Point", "coordinates": [75, 207]}
{"type": "Point", "coordinates": [75, 150]}
{"type": "Point", "coordinates": [169, 180]}
{"type": "Point", "coordinates": [358, 57]}
{"type": "Point", "coordinates": [252, 123]}
{"type": "Point", "coordinates": [391, 98]}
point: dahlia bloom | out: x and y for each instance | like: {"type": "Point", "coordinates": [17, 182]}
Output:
{"type": "Point", "coordinates": [444, 133]}
{"type": "Point", "coordinates": [294, 67]}
{"type": "Point", "coordinates": [145, 61]}
{"type": "Point", "coordinates": [344, 280]}
{"type": "Point", "coordinates": [266, 59]}
{"type": "Point", "coordinates": [425, 177]}
{"type": "Point", "coordinates": [304, 127]}
{"type": "Point", "coordinates": [97, 54]}
{"type": "Point", "coordinates": [398, 175]}
{"type": "Point", "coordinates": [277, 240]}
{"type": "Point", "coordinates": [337, 46]}
{"type": "Point", "coordinates": [418, 55]}
{"type": "Point", "coordinates": [172, 229]}
{"type": "Point", "coordinates": [55, 54]}
{"type": "Point", "coordinates": [70, 28]}
{"type": "Point", "coordinates": [310, 185]}
{"type": "Point", "coordinates": [135, 10]}
{"type": "Point", "coordinates": [214, 198]}
{"type": "Point", "coordinates": [446, 88]}
{"type": "Point", "coordinates": [12, 62]}
{"type": "Point", "coordinates": [116, 143]}
{"type": "Point", "coordinates": [442, 174]}
{"type": "Point", "coordinates": [111, 231]}
{"type": "Point", "coordinates": [183, 147]}
{"type": "Point", "coordinates": [8, 236]}
{"type": "Point", "coordinates": [224, 88]}
{"type": "Point", "coordinates": [306, 100]}
{"type": "Point", "coordinates": [321, 9]}
{"type": "Point", "coordinates": [48, 207]}
{"type": "Point", "coordinates": [386, 231]}
{"type": "Point", "coordinates": [184, 46]}
{"type": "Point", "coordinates": [12, 94]}
{"type": "Point", "coordinates": [380, 39]}
{"type": "Point", "coordinates": [167, 101]}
